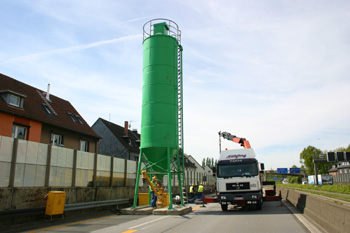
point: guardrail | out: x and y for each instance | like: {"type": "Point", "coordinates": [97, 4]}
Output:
{"type": "Point", "coordinates": [8, 217]}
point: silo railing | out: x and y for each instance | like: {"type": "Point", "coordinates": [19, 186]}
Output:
{"type": "Point", "coordinates": [173, 29]}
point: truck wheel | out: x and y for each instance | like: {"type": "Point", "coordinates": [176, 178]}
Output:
{"type": "Point", "coordinates": [224, 207]}
{"type": "Point", "coordinates": [258, 206]}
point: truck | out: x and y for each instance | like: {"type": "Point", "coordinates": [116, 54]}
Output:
{"type": "Point", "coordinates": [238, 179]}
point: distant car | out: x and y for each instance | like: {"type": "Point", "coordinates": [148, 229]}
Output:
{"type": "Point", "coordinates": [285, 181]}
{"type": "Point", "coordinates": [304, 182]}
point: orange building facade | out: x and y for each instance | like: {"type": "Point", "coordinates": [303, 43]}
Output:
{"type": "Point", "coordinates": [8, 121]}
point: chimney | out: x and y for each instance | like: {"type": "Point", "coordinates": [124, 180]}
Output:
{"type": "Point", "coordinates": [48, 92]}
{"type": "Point", "coordinates": [126, 128]}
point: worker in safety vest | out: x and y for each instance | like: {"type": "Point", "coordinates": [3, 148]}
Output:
{"type": "Point", "coordinates": [153, 195]}
{"type": "Point", "coordinates": [192, 191]}
{"type": "Point", "coordinates": [200, 191]}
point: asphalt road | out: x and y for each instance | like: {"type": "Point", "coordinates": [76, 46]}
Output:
{"type": "Point", "coordinates": [272, 218]}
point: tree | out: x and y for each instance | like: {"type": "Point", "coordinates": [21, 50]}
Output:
{"type": "Point", "coordinates": [210, 162]}
{"type": "Point", "coordinates": [306, 158]}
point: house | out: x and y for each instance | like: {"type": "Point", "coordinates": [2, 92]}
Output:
{"type": "Point", "coordinates": [197, 175]}
{"type": "Point", "coordinates": [117, 141]}
{"type": "Point", "coordinates": [31, 114]}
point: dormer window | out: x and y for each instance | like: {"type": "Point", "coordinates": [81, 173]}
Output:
{"type": "Point", "coordinates": [47, 109]}
{"type": "Point", "coordinates": [72, 117]}
{"type": "Point", "coordinates": [79, 119]}
{"type": "Point", "coordinates": [12, 98]}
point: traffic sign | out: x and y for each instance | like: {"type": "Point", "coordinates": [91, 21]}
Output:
{"type": "Point", "coordinates": [340, 156]}
{"type": "Point", "coordinates": [282, 170]}
{"type": "Point", "coordinates": [294, 170]}
{"type": "Point", "coordinates": [331, 157]}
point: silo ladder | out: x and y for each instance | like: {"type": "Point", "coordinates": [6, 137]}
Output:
{"type": "Point", "coordinates": [180, 97]}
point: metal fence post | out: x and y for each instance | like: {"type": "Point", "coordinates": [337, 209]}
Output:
{"type": "Point", "coordinates": [48, 165]}
{"type": "Point", "coordinates": [74, 172]}
{"type": "Point", "coordinates": [13, 163]}
{"type": "Point", "coordinates": [94, 181]}
{"type": "Point", "coordinates": [111, 172]}
{"type": "Point", "coordinates": [125, 173]}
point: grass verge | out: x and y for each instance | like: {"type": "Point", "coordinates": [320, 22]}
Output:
{"type": "Point", "coordinates": [340, 192]}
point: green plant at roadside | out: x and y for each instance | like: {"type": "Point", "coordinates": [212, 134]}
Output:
{"type": "Point", "coordinates": [343, 189]}
{"type": "Point", "coordinates": [340, 192]}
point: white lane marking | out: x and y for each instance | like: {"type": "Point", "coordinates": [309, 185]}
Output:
{"type": "Point", "coordinates": [152, 225]}
{"type": "Point", "coordinates": [312, 228]}
{"type": "Point", "coordinates": [149, 222]}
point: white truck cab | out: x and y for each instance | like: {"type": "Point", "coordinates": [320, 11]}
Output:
{"type": "Point", "coordinates": [238, 179]}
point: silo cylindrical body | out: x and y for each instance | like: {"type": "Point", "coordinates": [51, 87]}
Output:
{"type": "Point", "coordinates": [159, 123]}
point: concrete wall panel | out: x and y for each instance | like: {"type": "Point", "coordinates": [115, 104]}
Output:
{"type": "Point", "coordinates": [329, 214]}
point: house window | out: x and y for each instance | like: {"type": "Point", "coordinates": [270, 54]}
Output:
{"type": "Point", "coordinates": [14, 100]}
{"type": "Point", "coordinates": [56, 139]}
{"type": "Point", "coordinates": [47, 109]}
{"type": "Point", "coordinates": [71, 117]}
{"type": "Point", "coordinates": [19, 132]}
{"type": "Point", "coordinates": [79, 119]}
{"type": "Point", "coordinates": [84, 145]}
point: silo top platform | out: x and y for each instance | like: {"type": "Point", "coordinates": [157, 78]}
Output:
{"type": "Point", "coordinates": [161, 27]}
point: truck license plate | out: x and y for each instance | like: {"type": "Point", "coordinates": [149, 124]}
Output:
{"type": "Point", "coordinates": [238, 198]}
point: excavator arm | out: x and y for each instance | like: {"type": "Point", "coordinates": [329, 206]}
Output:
{"type": "Point", "coordinates": [242, 141]}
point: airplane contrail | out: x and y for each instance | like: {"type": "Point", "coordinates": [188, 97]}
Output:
{"type": "Point", "coordinates": [72, 49]}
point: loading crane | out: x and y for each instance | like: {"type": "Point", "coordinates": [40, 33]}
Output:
{"type": "Point", "coordinates": [242, 141]}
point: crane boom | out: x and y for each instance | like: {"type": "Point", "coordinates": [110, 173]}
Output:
{"type": "Point", "coordinates": [242, 141]}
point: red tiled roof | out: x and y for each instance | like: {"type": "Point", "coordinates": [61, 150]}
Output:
{"type": "Point", "coordinates": [33, 107]}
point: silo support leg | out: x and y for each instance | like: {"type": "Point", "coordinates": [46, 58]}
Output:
{"type": "Point", "coordinates": [180, 180]}
{"type": "Point", "coordinates": [169, 182]}
{"type": "Point", "coordinates": [137, 180]}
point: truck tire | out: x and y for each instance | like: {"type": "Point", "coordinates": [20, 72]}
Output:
{"type": "Point", "coordinates": [224, 207]}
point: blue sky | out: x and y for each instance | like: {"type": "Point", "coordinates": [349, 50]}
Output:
{"type": "Point", "coordinates": [275, 72]}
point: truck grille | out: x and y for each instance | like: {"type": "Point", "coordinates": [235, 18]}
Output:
{"type": "Point", "coordinates": [238, 186]}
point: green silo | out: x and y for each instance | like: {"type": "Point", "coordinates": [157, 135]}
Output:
{"type": "Point", "coordinates": [161, 122]}
{"type": "Point", "coordinates": [159, 96]}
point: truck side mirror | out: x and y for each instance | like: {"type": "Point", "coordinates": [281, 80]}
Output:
{"type": "Point", "coordinates": [262, 167]}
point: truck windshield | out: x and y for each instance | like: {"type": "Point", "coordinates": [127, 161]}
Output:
{"type": "Point", "coordinates": [237, 170]}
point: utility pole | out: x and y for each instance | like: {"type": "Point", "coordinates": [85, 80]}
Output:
{"type": "Point", "coordinates": [315, 167]}
{"type": "Point", "coordinates": [219, 142]}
